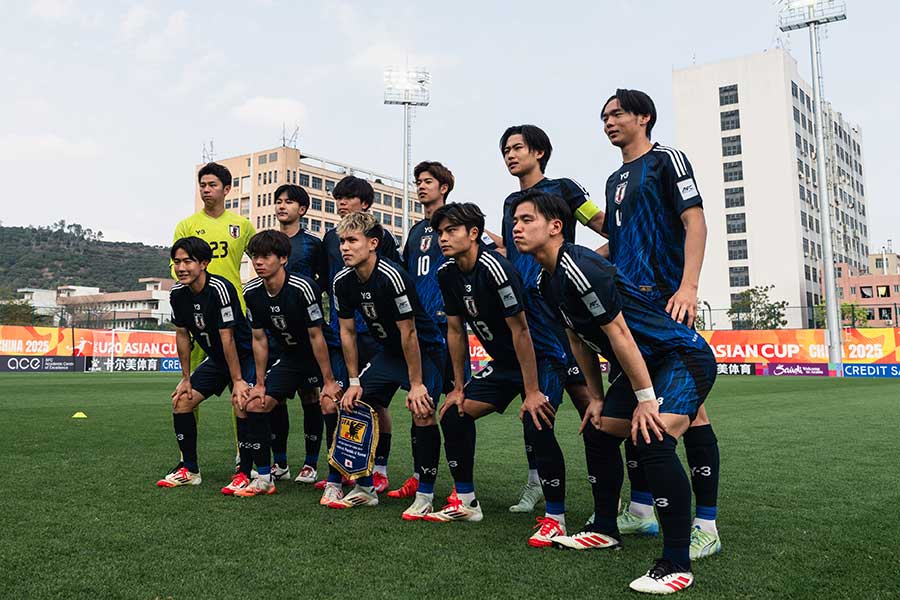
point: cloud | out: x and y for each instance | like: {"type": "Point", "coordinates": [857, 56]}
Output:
{"type": "Point", "coordinates": [51, 9]}
{"type": "Point", "coordinates": [46, 147]}
{"type": "Point", "coordinates": [161, 45]}
{"type": "Point", "coordinates": [135, 20]}
{"type": "Point", "coordinates": [381, 55]}
{"type": "Point", "coordinates": [271, 112]}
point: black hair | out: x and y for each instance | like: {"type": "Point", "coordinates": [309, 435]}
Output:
{"type": "Point", "coordinates": [269, 242]}
{"type": "Point", "coordinates": [635, 102]}
{"type": "Point", "coordinates": [443, 175]}
{"type": "Point", "coordinates": [354, 187]}
{"type": "Point", "coordinates": [466, 214]}
{"type": "Point", "coordinates": [220, 171]}
{"type": "Point", "coordinates": [196, 248]}
{"type": "Point", "coordinates": [535, 138]}
{"type": "Point", "coordinates": [550, 206]}
{"type": "Point", "coordinates": [295, 193]}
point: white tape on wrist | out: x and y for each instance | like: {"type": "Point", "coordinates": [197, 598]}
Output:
{"type": "Point", "coordinates": [354, 381]}
{"type": "Point", "coordinates": [646, 395]}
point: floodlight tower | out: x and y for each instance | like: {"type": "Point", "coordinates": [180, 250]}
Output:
{"type": "Point", "coordinates": [409, 87]}
{"type": "Point", "coordinates": [813, 14]}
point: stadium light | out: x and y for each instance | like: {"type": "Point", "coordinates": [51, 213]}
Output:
{"type": "Point", "coordinates": [408, 87]}
{"type": "Point", "coordinates": [813, 14]}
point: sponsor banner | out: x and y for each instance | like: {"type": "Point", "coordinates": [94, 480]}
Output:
{"type": "Point", "coordinates": [40, 364]}
{"type": "Point", "coordinates": [35, 341]}
{"type": "Point", "coordinates": [101, 364]}
{"type": "Point", "coordinates": [804, 346]}
{"type": "Point", "coordinates": [796, 370]}
{"type": "Point", "coordinates": [62, 341]}
{"type": "Point", "coordinates": [735, 369]}
{"type": "Point", "coordinates": [479, 358]}
{"type": "Point", "coordinates": [878, 370]}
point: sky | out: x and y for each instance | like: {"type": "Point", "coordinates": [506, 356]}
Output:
{"type": "Point", "coordinates": [106, 106]}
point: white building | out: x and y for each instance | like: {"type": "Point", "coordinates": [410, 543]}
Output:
{"type": "Point", "coordinates": [747, 127]}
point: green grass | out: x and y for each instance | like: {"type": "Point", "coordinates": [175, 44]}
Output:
{"type": "Point", "coordinates": [808, 505]}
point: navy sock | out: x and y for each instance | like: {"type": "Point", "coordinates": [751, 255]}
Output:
{"type": "Point", "coordinates": [606, 474]}
{"type": "Point", "coordinates": [551, 466]}
{"type": "Point", "coordinates": [672, 496]}
{"type": "Point", "coordinates": [428, 449]}
{"type": "Point", "coordinates": [186, 434]}
{"type": "Point", "coordinates": [459, 446]}
{"type": "Point", "coordinates": [702, 450]}
{"type": "Point", "coordinates": [244, 451]}
{"type": "Point", "coordinates": [529, 450]}
{"type": "Point", "coordinates": [640, 489]}
{"type": "Point", "coordinates": [281, 426]}
{"type": "Point", "coordinates": [383, 449]}
{"type": "Point", "coordinates": [260, 430]}
{"type": "Point", "coordinates": [412, 440]}
{"type": "Point", "coordinates": [334, 476]}
{"type": "Point", "coordinates": [313, 424]}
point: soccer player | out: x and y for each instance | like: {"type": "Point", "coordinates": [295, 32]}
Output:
{"type": "Point", "coordinates": [412, 358]}
{"type": "Point", "coordinates": [526, 151]}
{"type": "Point", "coordinates": [422, 257]}
{"type": "Point", "coordinates": [289, 306]}
{"type": "Point", "coordinates": [206, 311]}
{"type": "Point", "coordinates": [482, 288]}
{"type": "Point", "coordinates": [660, 373]}
{"type": "Point", "coordinates": [291, 204]}
{"type": "Point", "coordinates": [657, 237]}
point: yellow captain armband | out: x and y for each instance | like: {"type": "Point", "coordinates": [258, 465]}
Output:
{"type": "Point", "coordinates": [586, 212]}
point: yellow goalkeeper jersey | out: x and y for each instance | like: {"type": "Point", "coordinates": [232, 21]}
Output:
{"type": "Point", "coordinates": [228, 237]}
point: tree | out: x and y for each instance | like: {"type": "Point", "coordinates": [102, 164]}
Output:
{"type": "Point", "coordinates": [754, 310]}
{"type": "Point", "coordinates": [21, 312]}
{"type": "Point", "coordinates": [852, 315]}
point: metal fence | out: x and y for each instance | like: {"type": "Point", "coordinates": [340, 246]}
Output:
{"type": "Point", "coordinates": [22, 313]}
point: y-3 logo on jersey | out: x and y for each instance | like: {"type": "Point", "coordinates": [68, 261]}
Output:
{"type": "Point", "coordinates": [623, 176]}
{"type": "Point", "coordinates": [620, 192]}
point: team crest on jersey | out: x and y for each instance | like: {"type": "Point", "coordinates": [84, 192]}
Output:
{"type": "Point", "coordinates": [279, 321]}
{"type": "Point", "coordinates": [368, 309]}
{"type": "Point", "coordinates": [469, 301]}
{"type": "Point", "coordinates": [425, 244]}
{"type": "Point", "coordinates": [199, 321]}
{"type": "Point", "coordinates": [620, 192]}
{"type": "Point", "coordinates": [234, 231]}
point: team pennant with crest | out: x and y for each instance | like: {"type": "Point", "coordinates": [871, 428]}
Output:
{"type": "Point", "coordinates": [353, 450]}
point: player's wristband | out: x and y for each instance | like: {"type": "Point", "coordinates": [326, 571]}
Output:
{"type": "Point", "coordinates": [645, 395]}
{"type": "Point", "coordinates": [354, 381]}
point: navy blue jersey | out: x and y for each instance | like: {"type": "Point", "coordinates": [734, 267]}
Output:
{"type": "Point", "coordinates": [288, 315]}
{"type": "Point", "coordinates": [644, 202]}
{"type": "Point", "coordinates": [422, 258]}
{"type": "Point", "coordinates": [216, 307]}
{"type": "Point", "coordinates": [587, 292]}
{"type": "Point", "coordinates": [388, 296]}
{"type": "Point", "coordinates": [304, 258]}
{"type": "Point", "coordinates": [484, 298]}
{"type": "Point", "coordinates": [330, 263]}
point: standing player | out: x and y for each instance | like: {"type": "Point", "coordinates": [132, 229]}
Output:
{"type": "Point", "coordinates": [526, 151]}
{"type": "Point", "coordinates": [660, 372]}
{"type": "Point", "coordinates": [206, 311]}
{"type": "Point", "coordinates": [291, 204]}
{"type": "Point", "coordinates": [226, 233]}
{"type": "Point", "coordinates": [657, 237]}
{"type": "Point", "coordinates": [412, 358]}
{"type": "Point", "coordinates": [480, 287]}
{"type": "Point", "coordinates": [290, 307]}
{"type": "Point", "coordinates": [352, 195]}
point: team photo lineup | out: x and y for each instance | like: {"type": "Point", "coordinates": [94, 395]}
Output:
{"type": "Point", "coordinates": [340, 324]}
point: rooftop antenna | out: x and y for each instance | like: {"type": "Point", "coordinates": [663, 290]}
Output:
{"type": "Point", "coordinates": [289, 141]}
{"type": "Point", "coordinates": [209, 155]}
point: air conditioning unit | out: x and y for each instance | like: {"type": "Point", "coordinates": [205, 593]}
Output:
{"type": "Point", "coordinates": [889, 322]}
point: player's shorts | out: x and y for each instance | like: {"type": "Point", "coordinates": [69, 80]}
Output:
{"type": "Point", "coordinates": [291, 373]}
{"type": "Point", "coordinates": [681, 381]}
{"type": "Point", "coordinates": [211, 379]}
{"type": "Point", "coordinates": [448, 370]}
{"type": "Point", "coordinates": [387, 372]}
{"type": "Point", "coordinates": [498, 383]}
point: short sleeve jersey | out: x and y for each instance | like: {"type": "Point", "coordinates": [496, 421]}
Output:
{"type": "Point", "coordinates": [331, 262]}
{"type": "Point", "coordinates": [587, 293]}
{"type": "Point", "coordinates": [388, 296]}
{"type": "Point", "coordinates": [216, 307]}
{"type": "Point", "coordinates": [305, 250]}
{"type": "Point", "coordinates": [227, 235]}
{"type": "Point", "coordinates": [289, 314]}
{"type": "Point", "coordinates": [485, 297]}
{"type": "Point", "coordinates": [422, 258]}
{"type": "Point", "coordinates": [644, 202]}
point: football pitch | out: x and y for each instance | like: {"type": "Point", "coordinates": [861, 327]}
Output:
{"type": "Point", "coordinates": [808, 505]}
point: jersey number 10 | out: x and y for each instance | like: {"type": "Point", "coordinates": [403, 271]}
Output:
{"type": "Point", "coordinates": [423, 264]}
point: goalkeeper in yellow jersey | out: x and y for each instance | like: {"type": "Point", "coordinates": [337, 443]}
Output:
{"type": "Point", "coordinates": [226, 233]}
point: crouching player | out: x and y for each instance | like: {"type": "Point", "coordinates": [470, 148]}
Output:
{"type": "Point", "coordinates": [206, 309]}
{"type": "Point", "coordinates": [412, 358]}
{"type": "Point", "coordinates": [480, 287]}
{"type": "Point", "coordinates": [661, 372]}
{"type": "Point", "coordinates": [290, 307]}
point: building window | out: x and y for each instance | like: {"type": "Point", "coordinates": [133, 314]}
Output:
{"type": "Point", "coordinates": [883, 291]}
{"type": "Point", "coordinates": [329, 206]}
{"type": "Point", "coordinates": [418, 207]}
{"type": "Point", "coordinates": [316, 203]}
{"type": "Point", "coordinates": [398, 221]}
{"type": "Point", "coordinates": [733, 171]}
{"type": "Point", "coordinates": [865, 291]}
{"type": "Point", "coordinates": [734, 197]}
{"type": "Point", "coordinates": [739, 276]}
{"type": "Point", "coordinates": [273, 157]}
{"type": "Point", "coordinates": [315, 225]}
{"type": "Point", "coordinates": [316, 183]}
{"type": "Point", "coordinates": [385, 219]}
{"type": "Point", "coordinates": [259, 179]}
{"type": "Point", "coordinates": [879, 263]}
{"type": "Point", "coordinates": [798, 141]}
{"type": "Point", "coordinates": [305, 222]}
{"type": "Point", "coordinates": [329, 185]}
{"type": "Point", "coordinates": [262, 159]}
{"type": "Point", "coordinates": [730, 119]}
{"type": "Point", "coordinates": [258, 222]}
{"type": "Point", "coordinates": [884, 313]}
{"type": "Point", "coordinates": [736, 223]}
{"type": "Point", "coordinates": [728, 95]}
{"type": "Point", "coordinates": [398, 202]}
{"type": "Point", "coordinates": [329, 225]}
{"type": "Point", "coordinates": [377, 198]}
{"type": "Point", "coordinates": [737, 249]}
{"type": "Point", "coordinates": [304, 179]}
{"type": "Point", "coordinates": [275, 173]}
{"type": "Point", "coordinates": [808, 274]}
{"type": "Point", "coordinates": [870, 314]}
{"type": "Point", "coordinates": [235, 182]}
{"type": "Point", "coordinates": [796, 115]}
{"type": "Point", "coordinates": [731, 145]}
{"type": "Point", "coordinates": [897, 289]}
{"type": "Point", "coordinates": [794, 89]}
{"type": "Point", "coordinates": [294, 176]}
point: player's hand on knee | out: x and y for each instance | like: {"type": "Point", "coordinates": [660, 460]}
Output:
{"type": "Point", "coordinates": [419, 402]}
{"type": "Point", "coordinates": [456, 398]}
{"type": "Point", "coordinates": [184, 392]}
{"type": "Point", "coordinates": [538, 406]}
{"type": "Point", "coordinates": [646, 421]}
{"type": "Point", "coordinates": [331, 391]}
{"type": "Point", "coordinates": [593, 414]}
